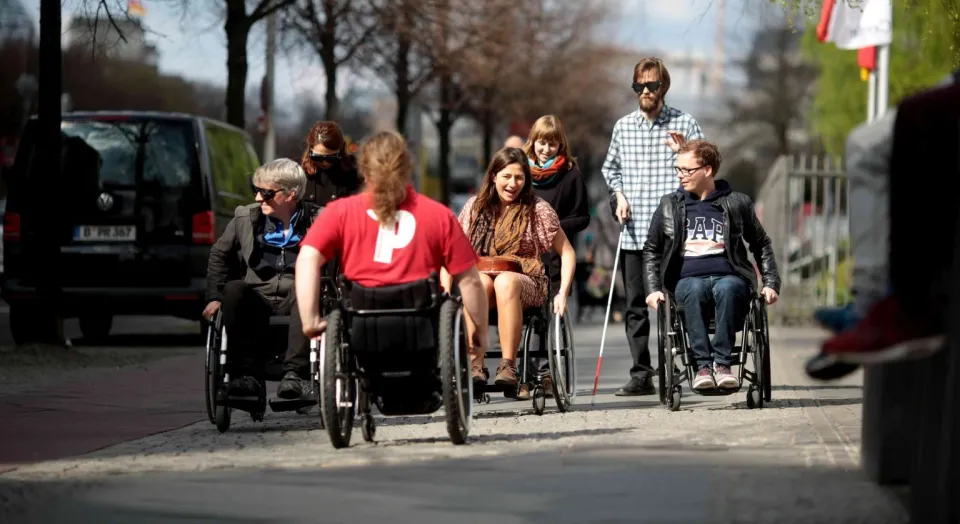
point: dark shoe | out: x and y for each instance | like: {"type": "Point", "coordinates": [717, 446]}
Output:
{"type": "Point", "coordinates": [290, 388]}
{"type": "Point", "coordinates": [547, 382]}
{"type": "Point", "coordinates": [244, 387]}
{"type": "Point", "coordinates": [637, 387]}
{"type": "Point", "coordinates": [886, 334]}
{"type": "Point", "coordinates": [524, 392]}
{"type": "Point", "coordinates": [826, 367]}
{"type": "Point", "coordinates": [506, 374]}
{"type": "Point", "coordinates": [480, 375]}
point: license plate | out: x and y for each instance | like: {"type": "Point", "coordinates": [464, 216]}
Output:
{"type": "Point", "coordinates": [105, 233]}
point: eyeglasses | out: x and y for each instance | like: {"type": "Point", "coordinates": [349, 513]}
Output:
{"type": "Point", "coordinates": [652, 86]}
{"type": "Point", "coordinates": [684, 172]}
{"type": "Point", "coordinates": [324, 158]}
{"type": "Point", "coordinates": [267, 193]}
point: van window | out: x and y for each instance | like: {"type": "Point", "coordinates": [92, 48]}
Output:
{"type": "Point", "coordinates": [167, 150]}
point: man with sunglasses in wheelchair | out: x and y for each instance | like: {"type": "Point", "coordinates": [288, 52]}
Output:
{"type": "Point", "coordinates": [695, 249]}
{"type": "Point", "coordinates": [250, 277]}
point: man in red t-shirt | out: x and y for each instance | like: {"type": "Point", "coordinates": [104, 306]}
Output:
{"type": "Point", "coordinates": [422, 237]}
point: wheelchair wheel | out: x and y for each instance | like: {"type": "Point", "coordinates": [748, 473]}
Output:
{"type": "Point", "coordinates": [757, 355]}
{"type": "Point", "coordinates": [562, 361]}
{"type": "Point", "coordinates": [221, 413]}
{"type": "Point", "coordinates": [539, 397]}
{"type": "Point", "coordinates": [661, 353]}
{"type": "Point", "coordinates": [455, 372]}
{"type": "Point", "coordinates": [337, 386]}
{"type": "Point", "coordinates": [222, 418]}
{"type": "Point", "coordinates": [211, 373]}
{"type": "Point", "coordinates": [764, 346]}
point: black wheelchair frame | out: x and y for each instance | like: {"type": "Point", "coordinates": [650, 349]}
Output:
{"type": "Point", "coordinates": [220, 405]}
{"type": "Point", "coordinates": [556, 345]}
{"type": "Point", "coordinates": [754, 348]}
{"type": "Point", "coordinates": [349, 384]}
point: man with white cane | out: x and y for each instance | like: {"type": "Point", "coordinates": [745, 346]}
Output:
{"type": "Point", "coordinates": [639, 170]}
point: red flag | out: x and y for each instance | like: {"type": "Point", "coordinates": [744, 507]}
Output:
{"type": "Point", "coordinates": [867, 58]}
{"type": "Point", "coordinates": [823, 28]}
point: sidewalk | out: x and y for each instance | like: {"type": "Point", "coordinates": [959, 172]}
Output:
{"type": "Point", "coordinates": [81, 416]}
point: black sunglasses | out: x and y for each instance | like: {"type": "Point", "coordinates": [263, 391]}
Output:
{"type": "Point", "coordinates": [267, 193]}
{"type": "Point", "coordinates": [324, 158]}
{"type": "Point", "coordinates": [652, 86]}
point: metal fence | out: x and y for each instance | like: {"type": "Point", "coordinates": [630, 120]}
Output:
{"type": "Point", "coordinates": [803, 207]}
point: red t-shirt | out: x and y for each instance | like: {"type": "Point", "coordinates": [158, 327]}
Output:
{"type": "Point", "coordinates": [425, 237]}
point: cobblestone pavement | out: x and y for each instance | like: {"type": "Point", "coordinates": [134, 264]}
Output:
{"type": "Point", "coordinates": [622, 459]}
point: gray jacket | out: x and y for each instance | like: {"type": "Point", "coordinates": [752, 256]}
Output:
{"type": "Point", "coordinates": [230, 257]}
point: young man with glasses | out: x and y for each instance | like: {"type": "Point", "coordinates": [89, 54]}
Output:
{"type": "Point", "coordinates": [250, 276]}
{"type": "Point", "coordinates": [639, 170]}
{"type": "Point", "coordinates": [695, 249]}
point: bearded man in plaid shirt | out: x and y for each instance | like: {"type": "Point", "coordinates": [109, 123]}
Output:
{"type": "Point", "coordinates": [639, 169]}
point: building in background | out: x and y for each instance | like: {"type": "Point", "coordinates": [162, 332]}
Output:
{"type": "Point", "coordinates": [102, 37]}
{"type": "Point", "coordinates": [16, 23]}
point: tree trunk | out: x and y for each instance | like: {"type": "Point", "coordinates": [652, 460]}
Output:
{"type": "Point", "coordinates": [237, 28]}
{"type": "Point", "coordinates": [332, 109]}
{"type": "Point", "coordinates": [444, 124]}
{"type": "Point", "coordinates": [44, 244]}
{"type": "Point", "coordinates": [486, 125]}
{"type": "Point", "coordinates": [402, 75]}
{"type": "Point", "coordinates": [328, 48]}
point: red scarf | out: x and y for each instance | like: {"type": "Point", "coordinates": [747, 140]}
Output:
{"type": "Point", "coordinates": [540, 174]}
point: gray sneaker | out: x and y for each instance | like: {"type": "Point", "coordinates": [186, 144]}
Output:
{"type": "Point", "coordinates": [726, 378]}
{"type": "Point", "coordinates": [704, 379]}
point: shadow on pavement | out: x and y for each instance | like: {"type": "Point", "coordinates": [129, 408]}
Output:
{"type": "Point", "coordinates": [147, 340]}
{"type": "Point", "coordinates": [582, 484]}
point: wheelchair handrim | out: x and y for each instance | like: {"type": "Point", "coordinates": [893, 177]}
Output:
{"type": "Point", "coordinates": [465, 406]}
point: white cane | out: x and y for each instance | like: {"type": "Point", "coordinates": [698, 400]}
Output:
{"type": "Point", "coordinates": [606, 318]}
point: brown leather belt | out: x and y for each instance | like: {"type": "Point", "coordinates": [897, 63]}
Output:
{"type": "Point", "coordinates": [498, 264]}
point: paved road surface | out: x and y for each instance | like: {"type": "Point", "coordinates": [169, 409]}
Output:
{"type": "Point", "coordinates": [621, 460]}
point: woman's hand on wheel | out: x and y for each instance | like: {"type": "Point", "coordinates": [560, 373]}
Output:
{"type": "Point", "coordinates": [560, 304]}
{"type": "Point", "coordinates": [314, 328]}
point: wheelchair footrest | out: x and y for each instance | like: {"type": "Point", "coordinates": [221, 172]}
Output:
{"type": "Point", "coordinates": [716, 392]}
{"type": "Point", "coordinates": [248, 404]}
{"type": "Point", "coordinates": [494, 388]}
{"type": "Point", "coordinates": [278, 404]}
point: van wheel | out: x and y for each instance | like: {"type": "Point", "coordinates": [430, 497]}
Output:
{"type": "Point", "coordinates": [95, 327]}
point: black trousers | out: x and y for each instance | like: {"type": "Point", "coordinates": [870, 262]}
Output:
{"type": "Point", "coordinates": [246, 317]}
{"type": "Point", "coordinates": [922, 236]}
{"type": "Point", "coordinates": [637, 317]}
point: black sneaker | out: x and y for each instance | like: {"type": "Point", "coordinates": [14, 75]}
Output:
{"type": "Point", "coordinates": [243, 387]}
{"type": "Point", "coordinates": [637, 387]}
{"type": "Point", "coordinates": [290, 388]}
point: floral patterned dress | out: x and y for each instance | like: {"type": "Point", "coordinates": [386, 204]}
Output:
{"type": "Point", "coordinates": [537, 240]}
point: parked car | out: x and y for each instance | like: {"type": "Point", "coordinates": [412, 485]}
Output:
{"type": "Point", "coordinates": [144, 196]}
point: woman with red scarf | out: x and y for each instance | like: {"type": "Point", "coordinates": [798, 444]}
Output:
{"type": "Point", "coordinates": [556, 179]}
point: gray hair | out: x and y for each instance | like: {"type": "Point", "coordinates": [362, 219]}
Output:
{"type": "Point", "coordinates": [285, 173]}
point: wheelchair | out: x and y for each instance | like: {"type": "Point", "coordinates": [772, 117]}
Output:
{"type": "Point", "coordinates": [555, 335]}
{"type": "Point", "coordinates": [401, 347]}
{"type": "Point", "coordinates": [751, 355]}
{"type": "Point", "coordinates": [220, 406]}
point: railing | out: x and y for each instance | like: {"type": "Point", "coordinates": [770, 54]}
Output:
{"type": "Point", "coordinates": [803, 207]}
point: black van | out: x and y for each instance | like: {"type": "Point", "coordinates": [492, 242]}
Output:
{"type": "Point", "coordinates": [143, 196]}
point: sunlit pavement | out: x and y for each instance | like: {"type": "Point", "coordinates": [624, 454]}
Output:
{"type": "Point", "coordinates": [618, 460]}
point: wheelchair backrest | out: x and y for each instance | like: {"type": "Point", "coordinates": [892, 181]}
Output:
{"type": "Point", "coordinates": [395, 319]}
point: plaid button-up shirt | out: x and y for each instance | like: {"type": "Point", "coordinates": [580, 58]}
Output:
{"type": "Point", "coordinates": [640, 164]}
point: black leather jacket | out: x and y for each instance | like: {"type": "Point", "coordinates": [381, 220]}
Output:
{"type": "Point", "coordinates": [666, 235]}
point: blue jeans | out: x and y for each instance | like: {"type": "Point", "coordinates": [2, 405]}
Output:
{"type": "Point", "coordinates": [729, 297]}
